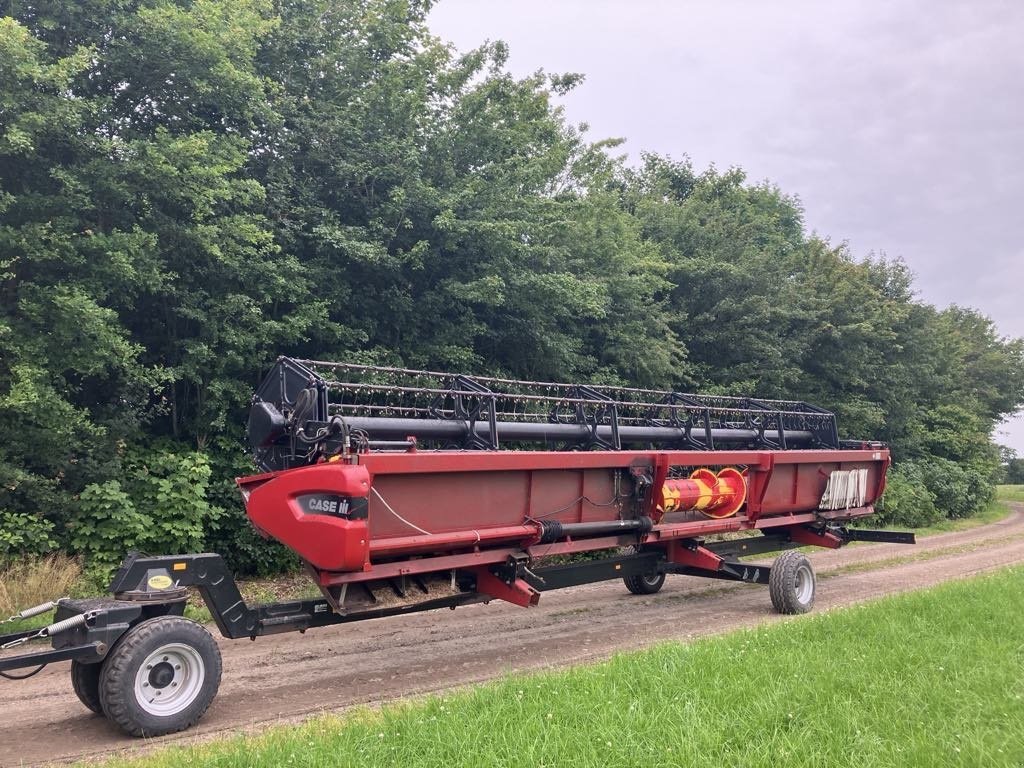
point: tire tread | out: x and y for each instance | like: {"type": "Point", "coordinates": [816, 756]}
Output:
{"type": "Point", "coordinates": [118, 665]}
{"type": "Point", "coordinates": [85, 679]}
{"type": "Point", "coordinates": [782, 583]}
{"type": "Point", "coordinates": [638, 586]}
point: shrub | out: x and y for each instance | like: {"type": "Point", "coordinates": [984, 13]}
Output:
{"type": "Point", "coordinates": [107, 525]}
{"type": "Point", "coordinates": [161, 506]}
{"type": "Point", "coordinates": [22, 533]}
{"type": "Point", "coordinates": [924, 491]}
{"type": "Point", "coordinates": [907, 500]}
{"type": "Point", "coordinates": [960, 490]}
{"type": "Point", "coordinates": [246, 552]}
{"type": "Point", "coordinates": [175, 502]}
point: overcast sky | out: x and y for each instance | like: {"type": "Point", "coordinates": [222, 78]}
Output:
{"type": "Point", "coordinates": [898, 124]}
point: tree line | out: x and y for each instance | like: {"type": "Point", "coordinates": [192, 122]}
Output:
{"type": "Point", "coordinates": [189, 188]}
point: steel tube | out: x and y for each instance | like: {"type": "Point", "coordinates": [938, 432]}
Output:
{"type": "Point", "coordinates": [516, 431]}
{"type": "Point", "coordinates": [467, 538]}
{"type": "Point", "coordinates": [527, 532]}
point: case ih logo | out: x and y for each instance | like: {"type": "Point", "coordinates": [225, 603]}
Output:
{"type": "Point", "coordinates": [330, 504]}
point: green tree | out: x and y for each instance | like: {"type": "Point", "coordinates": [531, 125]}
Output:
{"type": "Point", "coordinates": [143, 286]}
{"type": "Point", "coordinates": [189, 188]}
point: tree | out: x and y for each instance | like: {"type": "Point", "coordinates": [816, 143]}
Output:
{"type": "Point", "coordinates": [189, 188]}
{"type": "Point", "coordinates": [143, 285]}
{"type": "Point", "coordinates": [1012, 466]}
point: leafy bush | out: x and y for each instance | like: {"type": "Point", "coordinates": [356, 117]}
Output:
{"type": "Point", "coordinates": [176, 486]}
{"type": "Point", "coordinates": [907, 500]}
{"type": "Point", "coordinates": [162, 507]}
{"type": "Point", "coordinates": [960, 490]}
{"type": "Point", "coordinates": [246, 552]}
{"type": "Point", "coordinates": [22, 533]}
{"type": "Point", "coordinates": [107, 526]}
{"type": "Point", "coordinates": [922, 492]}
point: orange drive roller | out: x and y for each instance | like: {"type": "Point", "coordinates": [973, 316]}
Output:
{"type": "Point", "coordinates": [714, 495]}
{"type": "Point", "coordinates": [730, 493]}
{"type": "Point", "coordinates": [706, 481]}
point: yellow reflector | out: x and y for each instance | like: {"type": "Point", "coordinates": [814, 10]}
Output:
{"type": "Point", "coordinates": [179, 566]}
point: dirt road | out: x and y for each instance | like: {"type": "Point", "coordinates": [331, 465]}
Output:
{"type": "Point", "coordinates": [290, 676]}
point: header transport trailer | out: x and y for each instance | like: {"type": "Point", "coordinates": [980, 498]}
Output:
{"type": "Point", "coordinates": [405, 490]}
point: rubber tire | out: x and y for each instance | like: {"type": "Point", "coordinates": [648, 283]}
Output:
{"type": "Point", "coordinates": [783, 583]}
{"type": "Point", "coordinates": [117, 681]}
{"type": "Point", "coordinates": [644, 584]}
{"type": "Point", "coordinates": [85, 679]}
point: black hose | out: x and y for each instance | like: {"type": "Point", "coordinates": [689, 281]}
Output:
{"type": "Point", "coordinates": [552, 530]}
{"type": "Point", "coordinates": [26, 676]}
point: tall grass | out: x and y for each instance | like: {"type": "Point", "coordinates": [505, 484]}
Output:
{"type": "Point", "coordinates": [26, 582]}
{"type": "Point", "coordinates": [925, 679]}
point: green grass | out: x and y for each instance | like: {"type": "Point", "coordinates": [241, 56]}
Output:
{"type": "Point", "coordinates": [1010, 492]}
{"type": "Point", "coordinates": [924, 679]}
{"type": "Point", "coordinates": [994, 512]}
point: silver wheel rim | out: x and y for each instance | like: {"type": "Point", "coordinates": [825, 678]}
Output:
{"type": "Point", "coordinates": [804, 584]}
{"type": "Point", "coordinates": [652, 581]}
{"type": "Point", "coordinates": [169, 679]}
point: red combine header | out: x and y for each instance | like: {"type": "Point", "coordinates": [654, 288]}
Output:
{"type": "Point", "coordinates": [383, 474]}
{"type": "Point", "coordinates": [405, 490]}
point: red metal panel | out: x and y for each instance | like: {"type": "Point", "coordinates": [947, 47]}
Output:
{"type": "Point", "coordinates": [696, 557]}
{"type": "Point", "coordinates": [406, 504]}
{"type": "Point", "coordinates": [328, 542]}
{"type": "Point", "coordinates": [811, 538]}
{"type": "Point", "coordinates": [518, 592]}
{"type": "Point", "coordinates": [432, 462]}
{"type": "Point", "coordinates": [795, 487]}
{"type": "Point", "coordinates": [434, 503]}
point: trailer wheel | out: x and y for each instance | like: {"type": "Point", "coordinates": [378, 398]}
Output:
{"type": "Point", "coordinates": [85, 679]}
{"type": "Point", "coordinates": [644, 583]}
{"type": "Point", "coordinates": [791, 583]}
{"type": "Point", "coordinates": [161, 677]}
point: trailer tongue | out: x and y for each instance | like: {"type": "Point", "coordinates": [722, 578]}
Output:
{"type": "Point", "coordinates": [406, 490]}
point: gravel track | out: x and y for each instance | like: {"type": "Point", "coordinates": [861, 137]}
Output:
{"type": "Point", "coordinates": [288, 677]}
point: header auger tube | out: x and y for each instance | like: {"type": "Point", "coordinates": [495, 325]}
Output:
{"type": "Point", "coordinates": [306, 410]}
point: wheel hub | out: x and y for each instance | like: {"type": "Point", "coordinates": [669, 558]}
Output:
{"type": "Point", "coordinates": [169, 679]}
{"type": "Point", "coordinates": [161, 675]}
{"type": "Point", "coordinates": [804, 584]}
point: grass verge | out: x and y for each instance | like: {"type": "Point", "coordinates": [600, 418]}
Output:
{"type": "Point", "coordinates": [994, 512]}
{"type": "Point", "coordinates": [1010, 492]}
{"type": "Point", "coordinates": [923, 679]}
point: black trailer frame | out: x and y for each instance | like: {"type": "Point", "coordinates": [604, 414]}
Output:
{"type": "Point", "coordinates": [149, 587]}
